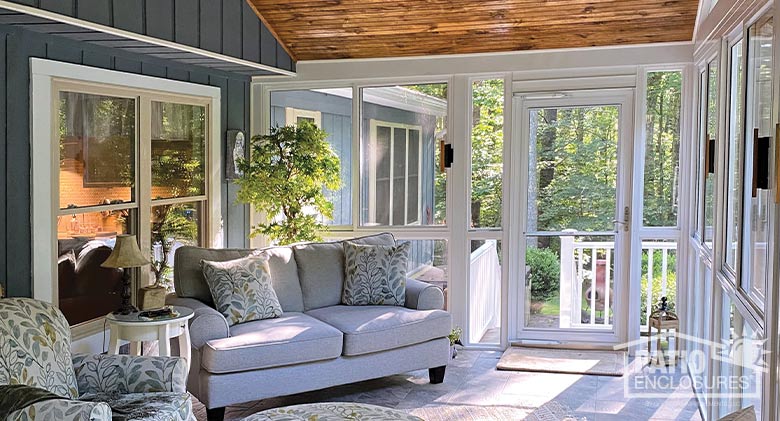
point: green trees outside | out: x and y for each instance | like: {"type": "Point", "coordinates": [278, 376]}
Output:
{"type": "Point", "coordinates": [285, 176]}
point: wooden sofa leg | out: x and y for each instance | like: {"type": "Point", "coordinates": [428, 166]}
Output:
{"type": "Point", "coordinates": [436, 374]}
{"type": "Point", "coordinates": [215, 414]}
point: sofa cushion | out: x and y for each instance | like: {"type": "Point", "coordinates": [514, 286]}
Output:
{"type": "Point", "coordinates": [242, 289]}
{"type": "Point", "coordinates": [321, 269]}
{"type": "Point", "coordinates": [374, 275]}
{"type": "Point", "coordinates": [294, 338]}
{"type": "Point", "coordinates": [370, 329]}
{"type": "Point", "coordinates": [189, 282]}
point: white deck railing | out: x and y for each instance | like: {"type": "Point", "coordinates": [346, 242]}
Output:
{"type": "Point", "coordinates": [586, 266]}
{"type": "Point", "coordinates": [484, 290]}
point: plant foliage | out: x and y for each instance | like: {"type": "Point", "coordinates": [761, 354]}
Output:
{"type": "Point", "coordinates": [544, 272]}
{"type": "Point", "coordinates": [285, 177]}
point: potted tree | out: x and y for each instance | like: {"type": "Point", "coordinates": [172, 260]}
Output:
{"type": "Point", "coordinates": [284, 178]}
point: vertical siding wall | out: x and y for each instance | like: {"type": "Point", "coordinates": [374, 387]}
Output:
{"type": "Point", "coordinates": [228, 27]}
{"type": "Point", "coordinates": [16, 48]}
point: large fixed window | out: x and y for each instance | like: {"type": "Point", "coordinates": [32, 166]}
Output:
{"type": "Point", "coordinates": [104, 187]}
{"type": "Point", "coordinates": [735, 154]}
{"type": "Point", "coordinates": [758, 126]}
{"type": "Point", "coordinates": [710, 150]}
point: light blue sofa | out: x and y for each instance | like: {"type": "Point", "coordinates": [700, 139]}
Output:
{"type": "Point", "coordinates": [317, 343]}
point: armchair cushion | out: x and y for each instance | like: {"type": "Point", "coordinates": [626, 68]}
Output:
{"type": "Point", "coordinates": [169, 406]}
{"type": "Point", "coordinates": [101, 374]}
{"type": "Point", "coordinates": [63, 410]}
{"type": "Point", "coordinates": [423, 296]}
{"type": "Point", "coordinates": [206, 324]}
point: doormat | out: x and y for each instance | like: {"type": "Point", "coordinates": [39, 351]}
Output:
{"type": "Point", "coordinates": [569, 361]}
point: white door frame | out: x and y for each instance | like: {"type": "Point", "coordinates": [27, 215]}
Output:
{"type": "Point", "coordinates": [522, 103]}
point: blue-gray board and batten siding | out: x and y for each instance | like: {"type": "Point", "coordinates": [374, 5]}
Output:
{"type": "Point", "coordinates": [227, 27]}
{"type": "Point", "coordinates": [336, 114]}
{"type": "Point", "coordinates": [17, 46]}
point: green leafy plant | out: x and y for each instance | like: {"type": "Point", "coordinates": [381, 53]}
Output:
{"type": "Point", "coordinates": [170, 223]}
{"type": "Point", "coordinates": [285, 177]}
{"type": "Point", "coordinates": [455, 335]}
{"type": "Point", "coordinates": [545, 272]}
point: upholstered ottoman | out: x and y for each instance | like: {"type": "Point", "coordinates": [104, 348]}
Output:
{"type": "Point", "coordinates": [332, 411]}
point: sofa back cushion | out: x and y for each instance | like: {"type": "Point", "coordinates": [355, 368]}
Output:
{"type": "Point", "coordinates": [189, 281]}
{"type": "Point", "coordinates": [321, 269]}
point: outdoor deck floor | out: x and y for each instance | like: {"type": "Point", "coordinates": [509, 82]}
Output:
{"type": "Point", "coordinates": [474, 390]}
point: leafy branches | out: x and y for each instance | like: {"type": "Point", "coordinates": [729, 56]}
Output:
{"type": "Point", "coordinates": [284, 178]}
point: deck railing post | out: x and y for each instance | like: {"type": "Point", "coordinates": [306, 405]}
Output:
{"type": "Point", "coordinates": [567, 282]}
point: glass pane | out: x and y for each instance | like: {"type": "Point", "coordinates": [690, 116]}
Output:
{"type": "Point", "coordinates": [173, 226]}
{"type": "Point", "coordinates": [700, 152]}
{"type": "Point", "coordinates": [487, 148]}
{"type": "Point", "coordinates": [333, 106]}
{"type": "Point", "coordinates": [178, 150]}
{"type": "Point", "coordinates": [97, 150]}
{"type": "Point", "coordinates": [662, 150]}
{"type": "Point", "coordinates": [428, 263]}
{"type": "Point", "coordinates": [485, 292]}
{"type": "Point", "coordinates": [415, 117]}
{"type": "Point", "coordinates": [573, 168]}
{"type": "Point", "coordinates": [736, 127]}
{"type": "Point", "coordinates": [659, 265]}
{"type": "Point", "coordinates": [710, 149]}
{"type": "Point", "coordinates": [570, 282]}
{"type": "Point", "coordinates": [759, 125]}
{"type": "Point", "coordinates": [84, 241]}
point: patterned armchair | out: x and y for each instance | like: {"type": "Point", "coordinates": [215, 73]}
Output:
{"type": "Point", "coordinates": [35, 351]}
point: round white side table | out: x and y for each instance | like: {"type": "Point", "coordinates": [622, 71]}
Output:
{"type": "Point", "coordinates": [135, 330]}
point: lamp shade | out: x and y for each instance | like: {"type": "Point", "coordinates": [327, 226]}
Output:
{"type": "Point", "coordinates": [126, 254]}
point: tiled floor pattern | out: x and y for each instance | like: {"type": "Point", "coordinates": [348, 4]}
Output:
{"type": "Point", "coordinates": [472, 382]}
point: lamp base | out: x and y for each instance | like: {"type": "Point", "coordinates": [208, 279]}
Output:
{"type": "Point", "coordinates": [126, 308]}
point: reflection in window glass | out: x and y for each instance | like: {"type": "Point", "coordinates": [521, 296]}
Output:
{"type": "Point", "coordinates": [485, 292]}
{"type": "Point", "coordinates": [428, 263]}
{"type": "Point", "coordinates": [401, 183]}
{"type": "Point", "coordinates": [97, 149]}
{"type": "Point", "coordinates": [487, 148]}
{"type": "Point", "coordinates": [662, 149]}
{"type": "Point", "coordinates": [701, 152]}
{"type": "Point", "coordinates": [84, 241]}
{"type": "Point", "coordinates": [331, 110]}
{"type": "Point", "coordinates": [173, 226]}
{"type": "Point", "coordinates": [758, 125]}
{"type": "Point", "coordinates": [178, 150]}
{"type": "Point", "coordinates": [736, 127]}
{"type": "Point", "coordinates": [710, 149]}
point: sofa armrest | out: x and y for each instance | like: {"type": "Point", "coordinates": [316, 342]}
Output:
{"type": "Point", "coordinates": [206, 324]}
{"type": "Point", "coordinates": [63, 410]}
{"type": "Point", "coordinates": [423, 296]}
{"type": "Point", "coordinates": [100, 374]}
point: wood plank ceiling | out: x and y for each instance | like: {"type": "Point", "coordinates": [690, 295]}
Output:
{"type": "Point", "coordinates": [332, 29]}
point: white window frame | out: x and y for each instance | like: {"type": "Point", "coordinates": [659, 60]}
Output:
{"type": "Point", "coordinates": [372, 203]}
{"type": "Point", "coordinates": [46, 77]}
{"type": "Point", "coordinates": [291, 116]}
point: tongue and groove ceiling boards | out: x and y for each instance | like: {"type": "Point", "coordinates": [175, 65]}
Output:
{"type": "Point", "coordinates": [333, 29]}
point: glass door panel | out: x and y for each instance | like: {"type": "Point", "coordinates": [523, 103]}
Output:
{"type": "Point", "coordinates": [575, 219]}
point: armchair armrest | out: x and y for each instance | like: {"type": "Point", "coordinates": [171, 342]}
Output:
{"type": "Point", "coordinates": [423, 296]}
{"type": "Point", "coordinates": [63, 410]}
{"type": "Point", "coordinates": [206, 324]}
{"type": "Point", "coordinates": [123, 374]}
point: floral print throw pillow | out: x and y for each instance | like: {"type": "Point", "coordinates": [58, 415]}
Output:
{"type": "Point", "coordinates": [375, 274]}
{"type": "Point", "coordinates": [242, 289]}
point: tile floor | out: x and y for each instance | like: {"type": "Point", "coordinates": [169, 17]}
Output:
{"type": "Point", "coordinates": [473, 386]}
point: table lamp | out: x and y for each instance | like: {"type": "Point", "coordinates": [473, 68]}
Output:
{"type": "Point", "coordinates": [125, 255]}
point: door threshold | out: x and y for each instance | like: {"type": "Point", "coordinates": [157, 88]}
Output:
{"type": "Point", "coordinates": [531, 343]}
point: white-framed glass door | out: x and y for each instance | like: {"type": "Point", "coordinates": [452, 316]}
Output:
{"type": "Point", "coordinates": [575, 158]}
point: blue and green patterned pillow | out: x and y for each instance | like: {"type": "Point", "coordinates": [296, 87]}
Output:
{"type": "Point", "coordinates": [374, 274]}
{"type": "Point", "coordinates": [242, 289]}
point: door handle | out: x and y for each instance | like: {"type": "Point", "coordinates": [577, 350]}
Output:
{"type": "Point", "coordinates": [626, 222]}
